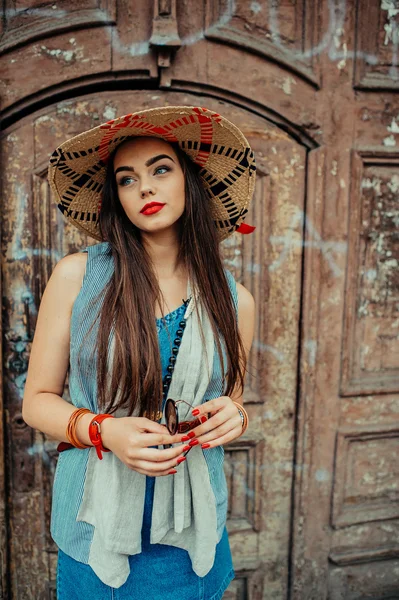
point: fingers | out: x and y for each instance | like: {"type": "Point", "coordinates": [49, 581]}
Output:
{"type": "Point", "coordinates": [159, 456]}
{"type": "Point", "coordinates": [159, 439]}
{"type": "Point", "coordinates": [150, 426]}
{"type": "Point", "coordinates": [224, 439]}
{"type": "Point", "coordinates": [228, 414]}
{"type": "Point", "coordinates": [226, 432]}
{"type": "Point", "coordinates": [157, 468]}
{"type": "Point", "coordinates": [222, 427]}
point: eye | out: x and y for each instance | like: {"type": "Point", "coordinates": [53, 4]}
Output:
{"type": "Point", "coordinates": [162, 167]}
{"type": "Point", "coordinates": [123, 180]}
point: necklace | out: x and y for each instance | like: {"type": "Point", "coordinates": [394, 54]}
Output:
{"type": "Point", "coordinates": [172, 360]}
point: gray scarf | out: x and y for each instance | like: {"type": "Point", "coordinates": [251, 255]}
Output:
{"type": "Point", "coordinates": [184, 510]}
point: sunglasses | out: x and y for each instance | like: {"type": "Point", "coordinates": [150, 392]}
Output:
{"type": "Point", "coordinates": [172, 420]}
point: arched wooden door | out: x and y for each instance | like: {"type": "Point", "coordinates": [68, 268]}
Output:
{"type": "Point", "coordinates": [259, 466]}
{"type": "Point", "coordinates": [314, 498]}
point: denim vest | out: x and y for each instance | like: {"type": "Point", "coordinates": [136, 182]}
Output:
{"type": "Point", "coordinates": [74, 537]}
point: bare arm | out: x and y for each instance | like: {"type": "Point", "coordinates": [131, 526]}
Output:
{"type": "Point", "coordinates": [246, 325]}
{"type": "Point", "coordinates": [43, 407]}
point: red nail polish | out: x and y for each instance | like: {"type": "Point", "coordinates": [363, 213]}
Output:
{"type": "Point", "coordinates": [205, 446]}
{"type": "Point", "coordinates": [194, 442]}
{"type": "Point", "coordinates": [186, 448]}
{"type": "Point", "coordinates": [195, 412]}
{"type": "Point", "coordinates": [181, 459]}
{"type": "Point", "coordinates": [172, 472]}
{"type": "Point", "coordinates": [187, 437]}
{"type": "Point", "coordinates": [203, 419]}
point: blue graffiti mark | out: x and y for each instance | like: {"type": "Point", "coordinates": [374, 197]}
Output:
{"type": "Point", "coordinates": [290, 240]}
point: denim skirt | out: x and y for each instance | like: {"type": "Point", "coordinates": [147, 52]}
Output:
{"type": "Point", "coordinates": [159, 572]}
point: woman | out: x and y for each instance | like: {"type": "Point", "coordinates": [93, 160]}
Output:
{"type": "Point", "coordinates": [145, 318]}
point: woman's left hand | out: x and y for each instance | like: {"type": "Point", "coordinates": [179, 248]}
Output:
{"type": "Point", "coordinates": [222, 427]}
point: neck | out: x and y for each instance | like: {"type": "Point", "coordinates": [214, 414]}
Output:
{"type": "Point", "coordinates": [163, 247]}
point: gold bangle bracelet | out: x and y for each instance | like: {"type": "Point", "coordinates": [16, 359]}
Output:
{"type": "Point", "coordinates": [244, 412]}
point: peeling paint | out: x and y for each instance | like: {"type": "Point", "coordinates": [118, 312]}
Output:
{"type": "Point", "coordinates": [394, 126]}
{"type": "Point", "coordinates": [371, 274]}
{"type": "Point", "coordinates": [389, 141]}
{"type": "Point", "coordinates": [393, 185]}
{"type": "Point", "coordinates": [342, 63]}
{"type": "Point", "coordinates": [68, 56]}
{"type": "Point", "coordinates": [109, 113]}
{"type": "Point", "coordinates": [337, 42]}
{"type": "Point", "coordinates": [375, 183]}
{"type": "Point", "coordinates": [255, 7]}
{"type": "Point", "coordinates": [286, 87]}
{"type": "Point", "coordinates": [311, 347]}
{"type": "Point", "coordinates": [14, 249]}
{"type": "Point", "coordinates": [390, 28]}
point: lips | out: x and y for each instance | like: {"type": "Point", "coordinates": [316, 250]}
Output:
{"type": "Point", "coordinates": [151, 207]}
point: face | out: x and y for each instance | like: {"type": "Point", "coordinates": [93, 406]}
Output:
{"type": "Point", "coordinates": [146, 171]}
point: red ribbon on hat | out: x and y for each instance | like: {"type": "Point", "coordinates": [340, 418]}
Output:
{"type": "Point", "coordinates": [245, 228]}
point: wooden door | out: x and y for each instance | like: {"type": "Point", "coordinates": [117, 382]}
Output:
{"type": "Point", "coordinates": [314, 501]}
{"type": "Point", "coordinates": [40, 238]}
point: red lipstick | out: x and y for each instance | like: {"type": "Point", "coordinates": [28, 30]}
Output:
{"type": "Point", "coordinates": [151, 207]}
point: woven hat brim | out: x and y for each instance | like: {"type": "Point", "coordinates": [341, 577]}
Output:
{"type": "Point", "coordinates": [77, 168]}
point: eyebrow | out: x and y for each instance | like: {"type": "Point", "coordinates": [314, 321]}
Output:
{"type": "Point", "coordinates": [148, 163]}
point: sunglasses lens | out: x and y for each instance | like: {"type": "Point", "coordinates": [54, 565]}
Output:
{"type": "Point", "coordinates": [171, 417]}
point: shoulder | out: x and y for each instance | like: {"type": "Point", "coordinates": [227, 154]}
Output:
{"type": "Point", "coordinates": [246, 302]}
{"type": "Point", "coordinates": [243, 299]}
{"type": "Point", "coordinates": [71, 267]}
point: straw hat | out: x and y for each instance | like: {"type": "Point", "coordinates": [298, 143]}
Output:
{"type": "Point", "coordinates": [77, 167]}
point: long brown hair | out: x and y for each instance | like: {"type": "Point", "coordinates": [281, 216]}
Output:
{"type": "Point", "coordinates": [133, 291]}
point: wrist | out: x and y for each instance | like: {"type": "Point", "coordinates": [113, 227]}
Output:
{"type": "Point", "coordinates": [82, 428]}
{"type": "Point", "coordinates": [106, 425]}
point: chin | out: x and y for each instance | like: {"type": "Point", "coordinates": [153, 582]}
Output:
{"type": "Point", "coordinates": [158, 227]}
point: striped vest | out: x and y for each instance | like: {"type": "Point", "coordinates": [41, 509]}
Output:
{"type": "Point", "coordinates": [74, 537]}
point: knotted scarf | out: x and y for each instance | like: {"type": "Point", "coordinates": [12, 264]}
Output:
{"type": "Point", "coordinates": [184, 510]}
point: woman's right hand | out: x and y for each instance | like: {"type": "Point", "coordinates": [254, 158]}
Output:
{"type": "Point", "coordinates": [130, 437]}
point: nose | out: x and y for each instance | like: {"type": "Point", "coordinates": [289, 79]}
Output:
{"type": "Point", "coordinates": [146, 188]}
{"type": "Point", "coordinates": [146, 192]}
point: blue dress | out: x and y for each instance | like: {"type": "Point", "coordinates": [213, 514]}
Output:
{"type": "Point", "coordinates": [160, 571]}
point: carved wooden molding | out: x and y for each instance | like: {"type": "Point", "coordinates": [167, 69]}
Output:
{"type": "Point", "coordinates": [243, 464]}
{"type": "Point", "coordinates": [370, 341]}
{"type": "Point", "coordinates": [21, 27]}
{"type": "Point", "coordinates": [223, 26]}
{"type": "Point", "coordinates": [363, 490]}
{"type": "Point", "coordinates": [376, 50]}
{"type": "Point", "coordinates": [356, 556]}
{"type": "Point", "coordinates": [165, 37]}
